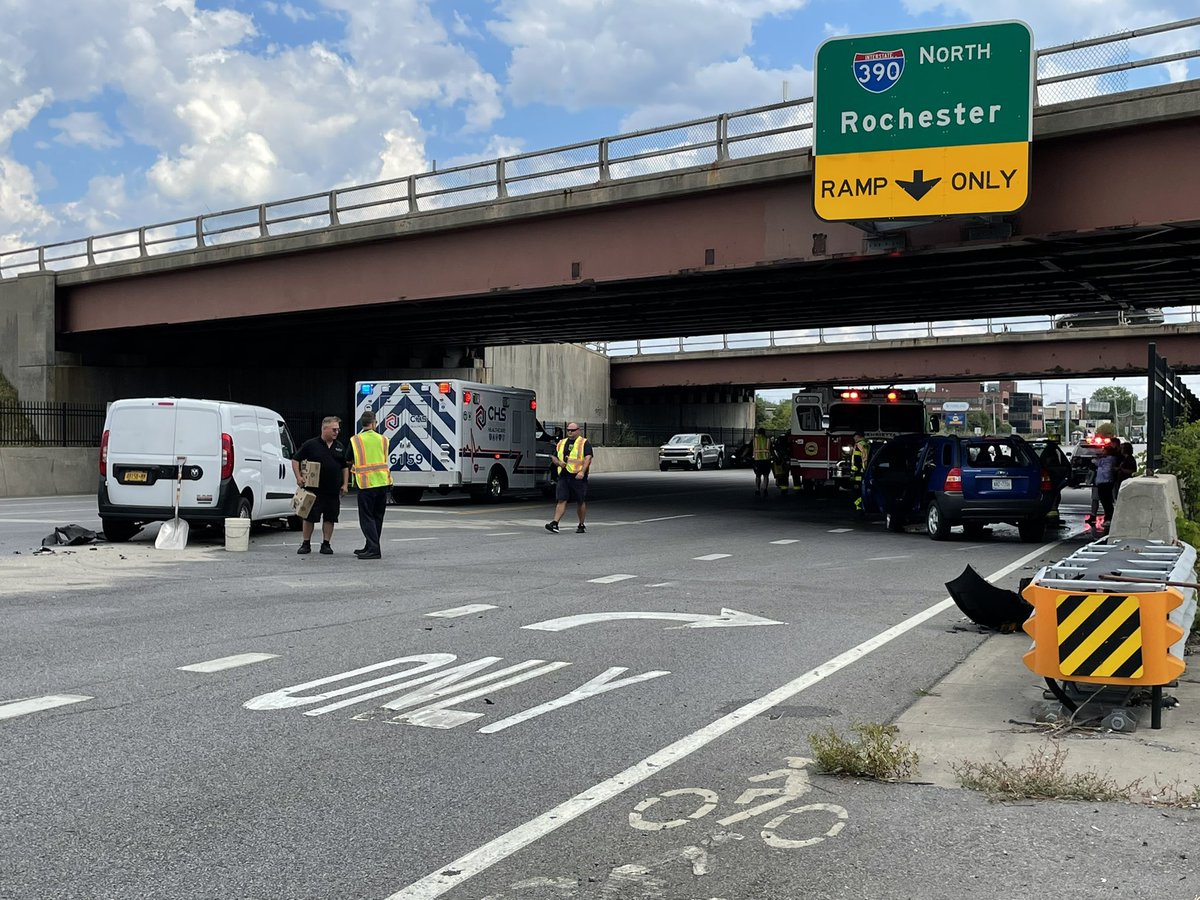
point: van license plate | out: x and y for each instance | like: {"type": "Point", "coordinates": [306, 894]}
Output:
{"type": "Point", "coordinates": [1001, 484]}
{"type": "Point", "coordinates": [135, 476]}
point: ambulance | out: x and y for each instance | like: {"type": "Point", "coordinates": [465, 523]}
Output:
{"type": "Point", "coordinates": [451, 435]}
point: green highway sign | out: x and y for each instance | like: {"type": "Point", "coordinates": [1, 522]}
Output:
{"type": "Point", "coordinates": [919, 123]}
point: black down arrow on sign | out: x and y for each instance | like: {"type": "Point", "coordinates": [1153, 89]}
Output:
{"type": "Point", "coordinates": [918, 187]}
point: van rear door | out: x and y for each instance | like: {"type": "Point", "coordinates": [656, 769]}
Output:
{"type": "Point", "coordinates": [425, 437]}
{"type": "Point", "coordinates": [198, 438]}
{"type": "Point", "coordinates": [141, 453]}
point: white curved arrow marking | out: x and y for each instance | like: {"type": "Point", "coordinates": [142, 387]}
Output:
{"type": "Point", "coordinates": [729, 618]}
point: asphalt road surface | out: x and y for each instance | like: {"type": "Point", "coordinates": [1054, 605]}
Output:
{"type": "Point", "coordinates": [492, 711]}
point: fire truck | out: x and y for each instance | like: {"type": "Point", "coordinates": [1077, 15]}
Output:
{"type": "Point", "coordinates": [824, 421]}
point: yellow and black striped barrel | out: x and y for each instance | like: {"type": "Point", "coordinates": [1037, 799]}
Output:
{"type": "Point", "coordinates": [1103, 638]}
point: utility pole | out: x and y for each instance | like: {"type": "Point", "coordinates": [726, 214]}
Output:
{"type": "Point", "coordinates": [1067, 416]}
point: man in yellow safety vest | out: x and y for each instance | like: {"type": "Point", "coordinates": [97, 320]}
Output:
{"type": "Point", "coordinates": [572, 459]}
{"type": "Point", "coordinates": [373, 478]}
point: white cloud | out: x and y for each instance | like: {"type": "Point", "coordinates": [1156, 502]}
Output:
{"type": "Point", "coordinates": [290, 11]}
{"type": "Point", "coordinates": [85, 128]}
{"type": "Point", "coordinates": [578, 54]}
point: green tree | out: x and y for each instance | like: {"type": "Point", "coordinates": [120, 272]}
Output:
{"type": "Point", "coordinates": [781, 418]}
{"type": "Point", "coordinates": [1122, 408]}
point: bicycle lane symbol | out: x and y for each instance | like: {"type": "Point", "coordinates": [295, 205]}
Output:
{"type": "Point", "coordinates": [796, 784]}
{"type": "Point", "coordinates": [646, 877]}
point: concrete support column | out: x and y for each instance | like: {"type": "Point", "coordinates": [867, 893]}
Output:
{"type": "Point", "coordinates": [27, 337]}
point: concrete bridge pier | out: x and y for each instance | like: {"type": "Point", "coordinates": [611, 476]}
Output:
{"type": "Point", "coordinates": [28, 358]}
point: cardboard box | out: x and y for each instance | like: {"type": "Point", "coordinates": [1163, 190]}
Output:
{"type": "Point", "coordinates": [312, 473]}
{"type": "Point", "coordinates": [302, 502]}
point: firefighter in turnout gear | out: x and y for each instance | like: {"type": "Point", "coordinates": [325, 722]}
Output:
{"type": "Point", "coordinates": [780, 462]}
{"type": "Point", "coordinates": [858, 465]}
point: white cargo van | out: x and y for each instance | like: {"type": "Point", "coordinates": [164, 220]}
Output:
{"type": "Point", "coordinates": [236, 463]}
{"type": "Point", "coordinates": [450, 435]}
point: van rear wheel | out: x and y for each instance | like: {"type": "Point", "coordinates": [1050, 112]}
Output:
{"type": "Point", "coordinates": [117, 531]}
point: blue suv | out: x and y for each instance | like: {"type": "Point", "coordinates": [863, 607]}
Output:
{"type": "Point", "coordinates": [949, 480]}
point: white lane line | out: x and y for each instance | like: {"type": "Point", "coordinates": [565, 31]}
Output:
{"type": "Point", "coordinates": [446, 878]}
{"type": "Point", "coordinates": [37, 704]}
{"type": "Point", "coordinates": [711, 556]}
{"type": "Point", "coordinates": [228, 662]}
{"type": "Point", "coordinates": [461, 610]}
{"type": "Point", "coordinates": [610, 579]}
{"type": "Point", "coordinates": [787, 541]}
{"type": "Point", "coordinates": [500, 533]}
{"type": "Point", "coordinates": [665, 519]}
{"type": "Point", "coordinates": [972, 547]}
{"type": "Point", "coordinates": [840, 530]}
{"type": "Point", "coordinates": [881, 558]}
{"type": "Point", "coordinates": [404, 540]}
{"type": "Point", "coordinates": [663, 584]}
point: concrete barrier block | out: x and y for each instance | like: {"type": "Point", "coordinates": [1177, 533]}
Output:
{"type": "Point", "coordinates": [1146, 508]}
{"type": "Point", "coordinates": [624, 459]}
{"type": "Point", "coordinates": [47, 471]}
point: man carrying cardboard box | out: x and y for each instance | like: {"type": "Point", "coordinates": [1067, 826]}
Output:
{"type": "Point", "coordinates": [325, 457]}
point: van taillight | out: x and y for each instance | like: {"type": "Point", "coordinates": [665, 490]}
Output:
{"type": "Point", "coordinates": [1047, 487]}
{"type": "Point", "coordinates": [104, 454]}
{"type": "Point", "coordinates": [226, 457]}
{"type": "Point", "coordinates": [953, 481]}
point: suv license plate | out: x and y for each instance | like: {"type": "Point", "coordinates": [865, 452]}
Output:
{"type": "Point", "coordinates": [1001, 484]}
{"type": "Point", "coordinates": [135, 476]}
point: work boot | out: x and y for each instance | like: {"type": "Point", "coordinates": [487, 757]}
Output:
{"type": "Point", "coordinates": [552, 527]}
{"type": "Point", "coordinates": [581, 529]}
{"type": "Point", "coordinates": [305, 547]}
{"type": "Point", "coordinates": [326, 550]}
{"type": "Point", "coordinates": [368, 555]}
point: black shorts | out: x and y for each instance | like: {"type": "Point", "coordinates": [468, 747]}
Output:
{"type": "Point", "coordinates": [571, 489]}
{"type": "Point", "coordinates": [762, 467]}
{"type": "Point", "coordinates": [327, 506]}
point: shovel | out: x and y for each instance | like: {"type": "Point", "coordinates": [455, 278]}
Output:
{"type": "Point", "coordinates": [174, 533]}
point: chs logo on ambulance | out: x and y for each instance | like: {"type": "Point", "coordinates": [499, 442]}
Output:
{"type": "Point", "coordinates": [878, 71]}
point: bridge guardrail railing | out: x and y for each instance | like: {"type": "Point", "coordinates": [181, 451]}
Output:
{"type": "Point", "coordinates": [798, 337]}
{"type": "Point", "coordinates": [1087, 68]}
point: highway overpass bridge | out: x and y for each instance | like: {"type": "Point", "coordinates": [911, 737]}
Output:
{"type": "Point", "coordinates": [693, 228]}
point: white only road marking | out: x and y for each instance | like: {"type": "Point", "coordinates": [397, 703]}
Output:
{"type": "Point", "coordinates": [728, 618]}
{"type": "Point", "coordinates": [57, 521]}
{"type": "Point", "coordinates": [711, 556]}
{"type": "Point", "coordinates": [500, 533]}
{"type": "Point", "coordinates": [663, 584]}
{"type": "Point", "coordinates": [37, 704]}
{"type": "Point", "coordinates": [610, 579]}
{"type": "Point", "coordinates": [840, 530]}
{"type": "Point", "coordinates": [228, 662]}
{"type": "Point", "coordinates": [787, 541]}
{"type": "Point", "coordinates": [665, 519]}
{"type": "Point", "coordinates": [461, 611]}
{"type": "Point", "coordinates": [881, 558]}
{"type": "Point", "coordinates": [446, 878]}
{"type": "Point", "coordinates": [972, 547]}
{"type": "Point", "coordinates": [403, 540]}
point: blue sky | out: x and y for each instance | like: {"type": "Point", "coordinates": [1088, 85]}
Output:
{"type": "Point", "coordinates": [120, 113]}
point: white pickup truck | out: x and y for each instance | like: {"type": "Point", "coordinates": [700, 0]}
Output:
{"type": "Point", "coordinates": [692, 450]}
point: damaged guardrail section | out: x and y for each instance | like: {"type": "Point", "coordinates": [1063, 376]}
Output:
{"type": "Point", "coordinates": [1116, 614]}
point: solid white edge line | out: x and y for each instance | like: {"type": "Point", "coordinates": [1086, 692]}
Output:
{"type": "Point", "coordinates": [37, 704]}
{"type": "Point", "coordinates": [227, 662]}
{"type": "Point", "coordinates": [451, 875]}
{"type": "Point", "coordinates": [455, 612]}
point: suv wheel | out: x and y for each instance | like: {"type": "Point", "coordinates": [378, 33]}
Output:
{"type": "Point", "coordinates": [1032, 531]}
{"type": "Point", "coordinates": [935, 522]}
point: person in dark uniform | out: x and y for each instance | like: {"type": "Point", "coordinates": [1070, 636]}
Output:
{"type": "Point", "coordinates": [334, 483]}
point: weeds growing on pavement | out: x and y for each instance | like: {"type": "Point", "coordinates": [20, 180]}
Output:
{"type": "Point", "coordinates": [1042, 776]}
{"type": "Point", "coordinates": [874, 753]}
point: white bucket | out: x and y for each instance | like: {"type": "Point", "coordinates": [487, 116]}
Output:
{"type": "Point", "coordinates": [237, 534]}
